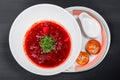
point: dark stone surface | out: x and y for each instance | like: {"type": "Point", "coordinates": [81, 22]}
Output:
{"type": "Point", "coordinates": [108, 69]}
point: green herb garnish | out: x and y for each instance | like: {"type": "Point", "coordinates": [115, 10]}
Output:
{"type": "Point", "coordinates": [47, 44]}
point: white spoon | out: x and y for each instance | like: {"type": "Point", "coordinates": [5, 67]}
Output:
{"type": "Point", "coordinates": [90, 26]}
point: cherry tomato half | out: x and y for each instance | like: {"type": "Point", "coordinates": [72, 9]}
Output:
{"type": "Point", "coordinates": [93, 47]}
{"type": "Point", "coordinates": [83, 58]}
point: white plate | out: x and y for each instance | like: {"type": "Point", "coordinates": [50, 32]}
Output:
{"type": "Point", "coordinates": [104, 39]}
{"type": "Point", "coordinates": [43, 12]}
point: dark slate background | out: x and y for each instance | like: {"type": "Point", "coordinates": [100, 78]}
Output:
{"type": "Point", "coordinates": [108, 69]}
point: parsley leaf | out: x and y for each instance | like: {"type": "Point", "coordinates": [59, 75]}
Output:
{"type": "Point", "coordinates": [47, 44]}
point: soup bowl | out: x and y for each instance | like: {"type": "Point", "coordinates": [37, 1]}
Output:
{"type": "Point", "coordinates": [38, 13]}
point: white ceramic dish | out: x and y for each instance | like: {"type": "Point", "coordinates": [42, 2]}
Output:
{"type": "Point", "coordinates": [104, 39]}
{"type": "Point", "coordinates": [43, 12]}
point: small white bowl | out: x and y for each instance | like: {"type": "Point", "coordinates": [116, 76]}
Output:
{"type": "Point", "coordinates": [43, 12]}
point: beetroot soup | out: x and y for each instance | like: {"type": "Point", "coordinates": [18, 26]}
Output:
{"type": "Point", "coordinates": [47, 44]}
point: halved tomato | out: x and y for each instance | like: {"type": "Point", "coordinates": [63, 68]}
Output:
{"type": "Point", "coordinates": [93, 47]}
{"type": "Point", "coordinates": [83, 58]}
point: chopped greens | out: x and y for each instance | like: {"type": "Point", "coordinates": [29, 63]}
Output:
{"type": "Point", "coordinates": [47, 44]}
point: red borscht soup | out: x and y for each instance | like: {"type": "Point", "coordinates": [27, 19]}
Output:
{"type": "Point", "coordinates": [47, 44]}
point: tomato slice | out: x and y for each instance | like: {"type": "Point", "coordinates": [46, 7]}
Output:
{"type": "Point", "coordinates": [93, 47]}
{"type": "Point", "coordinates": [83, 58]}
{"type": "Point", "coordinates": [45, 30]}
